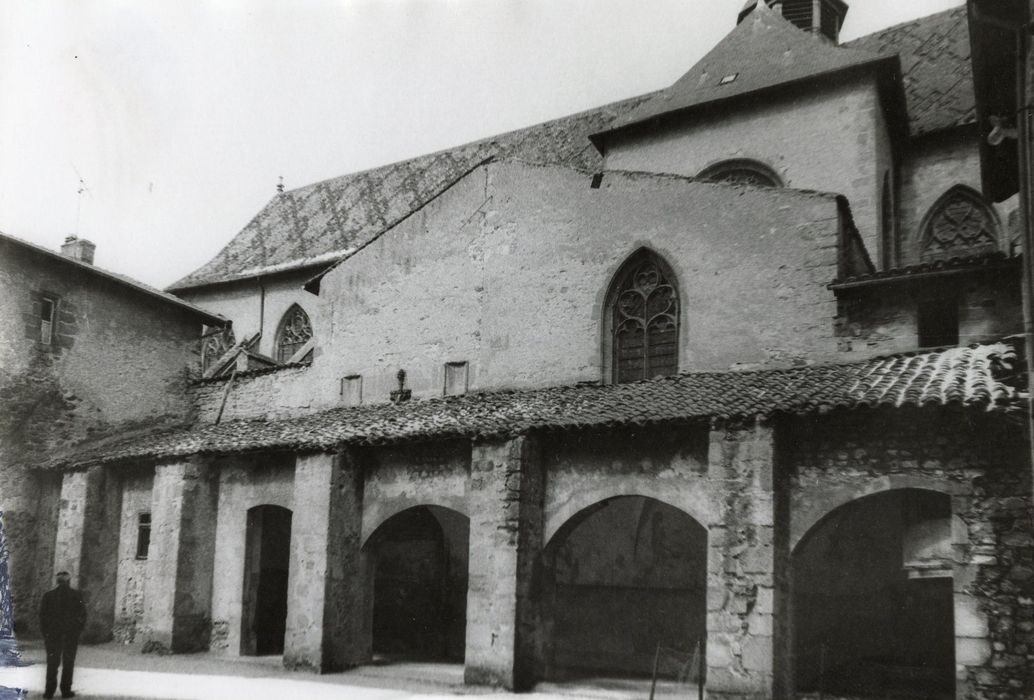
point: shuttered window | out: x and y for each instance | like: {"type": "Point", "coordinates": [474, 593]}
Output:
{"type": "Point", "coordinates": [48, 307]}
{"type": "Point", "coordinates": [644, 321]}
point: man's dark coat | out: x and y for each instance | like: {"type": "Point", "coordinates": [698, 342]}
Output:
{"type": "Point", "coordinates": [62, 616]}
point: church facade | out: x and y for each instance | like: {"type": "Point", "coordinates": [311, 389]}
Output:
{"type": "Point", "coordinates": [730, 369]}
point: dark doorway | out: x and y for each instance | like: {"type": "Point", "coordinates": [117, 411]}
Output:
{"type": "Point", "coordinates": [266, 563]}
{"type": "Point", "coordinates": [420, 585]}
{"type": "Point", "coordinates": [623, 578]}
{"type": "Point", "coordinates": [872, 599]}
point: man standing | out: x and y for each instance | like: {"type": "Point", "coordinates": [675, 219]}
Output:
{"type": "Point", "coordinates": [62, 617]}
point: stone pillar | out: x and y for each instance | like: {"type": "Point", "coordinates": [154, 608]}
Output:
{"type": "Point", "coordinates": [86, 544]}
{"type": "Point", "coordinates": [504, 495]}
{"type": "Point", "coordinates": [328, 611]}
{"type": "Point", "coordinates": [993, 582]}
{"type": "Point", "coordinates": [747, 567]}
{"type": "Point", "coordinates": [178, 588]}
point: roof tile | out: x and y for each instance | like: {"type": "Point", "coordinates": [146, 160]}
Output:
{"type": "Point", "coordinates": [968, 377]}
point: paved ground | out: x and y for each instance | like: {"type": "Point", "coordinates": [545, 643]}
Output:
{"type": "Point", "coordinates": [114, 671]}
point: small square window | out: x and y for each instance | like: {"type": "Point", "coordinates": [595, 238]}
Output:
{"type": "Point", "coordinates": [48, 312]}
{"type": "Point", "coordinates": [143, 535]}
{"type": "Point", "coordinates": [352, 390]}
{"type": "Point", "coordinates": [938, 323]}
{"type": "Point", "coordinates": [455, 378]}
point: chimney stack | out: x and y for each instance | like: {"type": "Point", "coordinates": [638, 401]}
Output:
{"type": "Point", "coordinates": [78, 249]}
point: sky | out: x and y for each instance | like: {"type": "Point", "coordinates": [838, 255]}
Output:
{"type": "Point", "coordinates": [179, 118]}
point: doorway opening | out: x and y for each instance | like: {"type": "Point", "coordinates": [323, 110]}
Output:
{"type": "Point", "coordinates": [266, 563]}
{"type": "Point", "coordinates": [419, 559]}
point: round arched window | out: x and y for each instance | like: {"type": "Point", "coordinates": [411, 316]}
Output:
{"type": "Point", "coordinates": [741, 171]}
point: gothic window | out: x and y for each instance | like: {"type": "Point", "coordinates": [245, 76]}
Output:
{"type": "Point", "coordinates": [295, 331]}
{"type": "Point", "coordinates": [643, 313]}
{"type": "Point", "coordinates": [741, 171]}
{"type": "Point", "coordinates": [960, 224]}
{"type": "Point", "coordinates": [214, 345]}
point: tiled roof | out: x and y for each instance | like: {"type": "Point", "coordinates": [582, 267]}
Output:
{"type": "Point", "coordinates": [763, 51]}
{"type": "Point", "coordinates": [967, 377]}
{"type": "Point", "coordinates": [127, 283]}
{"type": "Point", "coordinates": [935, 66]}
{"type": "Point", "coordinates": [988, 261]}
{"type": "Point", "coordinates": [317, 224]}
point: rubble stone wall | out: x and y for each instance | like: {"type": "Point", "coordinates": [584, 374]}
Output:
{"type": "Point", "coordinates": [982, 464]}
{"type": "Point", "coordinates": [132, 571]}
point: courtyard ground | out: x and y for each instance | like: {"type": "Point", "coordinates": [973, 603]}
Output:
{"type": "Point", "coordinates": [116, 671]}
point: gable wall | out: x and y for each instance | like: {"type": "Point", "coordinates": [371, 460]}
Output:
{"type": "Point", "coordinates": [829, 139]}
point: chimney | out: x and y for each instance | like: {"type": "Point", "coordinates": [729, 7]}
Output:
{"type": "Point", "coordinates": [78, 249]}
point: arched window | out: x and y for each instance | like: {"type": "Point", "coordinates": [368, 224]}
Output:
{"type": "Point", "coordinates": [294, 332]}
{"type": "Point", "coordinates": [741, 171]}
{"type": "Point", "coordinates": [959, 224]}
{"type": "Point", "coordinates": [214, 344]}
{"type": "Point", "coordinates": [643, 316]}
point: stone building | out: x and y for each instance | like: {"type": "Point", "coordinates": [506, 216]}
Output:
{"type": "Point", "coordinates": [84, 354]}
{"type": "Point", "coordinates": [730, 366]}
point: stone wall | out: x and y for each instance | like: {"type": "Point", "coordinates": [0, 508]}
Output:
{"type": "Point", "coordinates": [132, 570]}
{"type": "Point", "coordinates": [509, 271]}
{"type": "Point", "coordinates": [400, 478]}
{"type": "Point", "coordinates": [119, 361]}
{"type": "Point", "coordinates": [981, 463]}
{"type": "Point", "coordinates": [882, 319]}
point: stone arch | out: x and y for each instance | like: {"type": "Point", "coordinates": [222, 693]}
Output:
{"type": "Point", "coordinates": [417, 562]}
{"type": "Point", "coordinates": [828, 499]}
{"type": "Point", "coordinates": [585, 498]}
{"type": "Point", "coordinates": [741, 171]}
{"type": "Point", "coordinates": [642, 319]}
{"type": "Point", "coordinates": [873, 598]}
{"type": "Point", "coordinates": [292, 334]}
{"type": "Point", "coordinates": [375, 515]}
{"type": "Point", "coordinates": [959, 224]}
{"type": "Point", "coordinates": [618, 578]}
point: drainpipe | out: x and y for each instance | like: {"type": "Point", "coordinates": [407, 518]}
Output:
{"type": "Point", "coordinates": [1023, 156]}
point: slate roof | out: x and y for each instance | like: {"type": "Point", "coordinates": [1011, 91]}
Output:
{"type": "Point", "coordinates": [319, 223]}
{"type": "Point", "coordinates": [764, 51]}
{"type": "Point", "coordinates": [126, 282]}
{"type": "Point", "coordinates": [973, 263]}
{"type": "Point", "coordinates": [935, 67]}
{"type": "Point", "coordinates": [969, 377]}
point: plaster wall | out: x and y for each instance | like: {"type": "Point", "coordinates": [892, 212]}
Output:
{"type": "Point", "coordinates": [132, 572]}
{"type": "Point", "coordinates": [259, 305]}
{"type": "Point", "coordinates": [831, 139]}
{"type": "Point", "coordinates": [509, 271]}
{"type": "Point", "coordinates": [243, 484]}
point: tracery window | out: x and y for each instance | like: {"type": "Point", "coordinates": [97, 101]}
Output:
{"type": "Point", "coordinates": [644, 320]}
{"type": "Point", "coordinates": [741, 171]}
{"type": "Point", "coordinates": [214, 345]}
{"type": "Point", "coordinates": [959, 224]}
{"type": "Point", "coordinates": [294, 332]}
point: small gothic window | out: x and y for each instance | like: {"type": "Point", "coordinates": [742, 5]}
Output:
{"type": "Point", "coordinates": [214, 345]}
{"type": "Point", "coordinates": [741, 171]}
{"type": "Point", "coordinates": [644, 320]}
{"type": "Point", "coordinates": [960, 224]}
{"type": "Point", "coordinates": [295, 331]}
